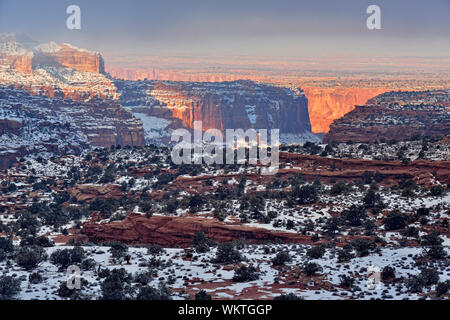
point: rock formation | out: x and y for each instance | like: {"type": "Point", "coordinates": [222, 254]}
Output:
{"type": "Point", "coordinates": [328, 104]}
{"type": "Point", "coordinates": [396, 115]}
{"type": "Point", "coordinates": [33, 124]}
{"type": "Point", "coordinates": [69, 56]}
{"type": "Point", "coordinates": [179, 231]}
{"type": "Point", "coordinates": [221, 105]}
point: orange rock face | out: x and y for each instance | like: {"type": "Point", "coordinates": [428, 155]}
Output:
{"type": "Point", "coordinates": [23, 63]}
{"type": "Point", "coordinates": [179, 231]}
{"type": "Point", "coordinates": [328, 104]}
{"type": "Point", "coordinates": [71, 57]}
{"type": "Point", "coordinates": [87, 192]}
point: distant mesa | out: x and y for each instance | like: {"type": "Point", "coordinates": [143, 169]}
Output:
{"type": "Point", "coordinates": [395, 116]}
{"type": "Point", "coordinates": [25, 55]}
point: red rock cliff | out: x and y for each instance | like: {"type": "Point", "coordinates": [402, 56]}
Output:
{"type": "Point", "coordinates": [328, 104]}
{"type": "Point", "coordinates": [71, 57]}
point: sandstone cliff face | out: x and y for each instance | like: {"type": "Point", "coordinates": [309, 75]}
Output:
{"type": "Point", "coordinates": [15, 55]}
{"type": "Point", "coordinates": [23, 63]}
{"type": "Point", "coordinates": [396, 115]}
{"type": "Point", "coordinates": [329, 104]}
{"type": "Point", "coordinates": [225, 105]}
{"type": "Point", "coordinates": [62, 100]}
{"type": "Point", "coordinates": [25, 55]}
{"type": "Point", "coordinates": [61, 125]}
{"type": "Point", "coordinates": [179, 231]}
{"type": "Point", "coordinates": [69, 56]}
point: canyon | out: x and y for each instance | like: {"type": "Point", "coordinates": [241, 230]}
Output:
{"type": "Point", "coordinates": [219, 105]}
{"type": "Point", "coordinates": [328, 104]}
{"type": "Point", "coordinates": [395, 116]}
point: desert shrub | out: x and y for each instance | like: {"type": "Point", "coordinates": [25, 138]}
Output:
{"type": "Point", "coordinates": [281, 258]}
{"type": "Point", "coordinates": [387, 273]}
{"type": "Point", "coordinates": [117, 249]}
{"type": "Point", "coordinates": [88, 264]}
{"type": "Point", "coordinates": [363, 246]}
{"type": "Point", "coordinates": [41, 241]}
{"type": "Point", "coordinates": [289, 296]}
{"type": "Point", "coordinates": [414, 284]}
{"type": "Point", "coordinates": [3, 255]}
{"type": "Point", "coordinates": [106, 206]}
{"type": "Point", "coordinates": [311, 268]}
{"type": "Point", "coordinates": [423, 211]}
{"type": "Point", "coordinates": [142, 278]}
{"type": "Point", "coordinates": [442, 288]}
{"type": "Point", "coordinates": [245, 274]}
{"type": "Point", "coordinates": [116, 285]}
{"type": "Point", "coordinates": [429, 276]}
{"type": "Point", "coordinates": [305, 194]}
{"type": "Point", "coordinates": [432, 239]}
{"type": "Point", "coordinates": [316, 252]}
{"type": "Point", "coordinates": [151, 293]}
{"type": "Point", "coordinates": [227, 253]}
{"type": "Point", "coordinates": [354, 216]}
{"type": "Point", "coordinates": [6, 244]}
{"type": "Point", "coordinates": [436, 191]}
{"type": "Point", "coordinates": [202, 295]}
{"type": "Point", "coordinates": [9, 287]}
{"type": "Point", "coordinates": [63, 258]}
{"type": "Point", "coordinates": [339, 188]}
{"type": "Point", "coordinates": [436, 252]}
{"type": "Point", "coordinates": [346, 281]}
{"type": "Point", "coordinates": [395, 221]}
{"type": "Point", "coordinates": [30, 257]}
{"type": "Point", "coordinates": [74, 294]}
{"type": "Point", "coordinates": [35, 278]}
{"type": "Point", "coordinates": [411, 232]}
{"type": "Point", "coordinates": [196, 201]}
{"type": "Point", "coordinates": [201, 243]}
{"type": "Point", "coordinates": [367, 177]}
{"type": "Point", "coordinates": [378, 177]}
{"type": "Point", "coordinates": [155, 249]}
{"type": "Point", "coordinates": [344, 255]}
{"type": "Point", "coordinates": [372, 199]}
{"type": "Point", "coordinates": [332, 226]}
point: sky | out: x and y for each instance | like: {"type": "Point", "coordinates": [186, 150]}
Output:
{"type": "Point", "coordinates": [237, 27]}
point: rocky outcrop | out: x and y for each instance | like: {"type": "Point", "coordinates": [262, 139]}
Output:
{"type": "Point", "coordinates": [401, 117]}
{"type": "Point", "coordinates": [328, 104]}
{"type": "Point", "coordinates": [88, 192]}
{"type": "Point", "coordinates": [179, 231]}
{"type": "Point", "coordinates": [61, 125]}
{"type": "Point", "coordinates": [69, 56]}
{"type": "Point", "coordinates": [224, 105]}
{"type": "Point", "coordinates": [15, 55]}
{"type": "Point", "coordinates": [425, 172]}
{"type": "Point", "coordinates": [60, 70]}
{"type": "Point", "coordinates": [62, 99]}
{"type": "Point", "coordinates": [23, 63]}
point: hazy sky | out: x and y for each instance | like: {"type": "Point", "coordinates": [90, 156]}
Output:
{"type": "Point", "coordinates": [248, 27]}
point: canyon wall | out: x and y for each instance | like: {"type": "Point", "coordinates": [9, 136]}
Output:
{"type": "Point", "coordinates": [69, 56]}
{"type": "Point", "coordinates": [395, 116]}
{"type": "Point", "coordinates": [328, 104]}
{"type": "Point", "coordinates": [325, 104]}
{"type": "Point", "coordinates": [221, 105]}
